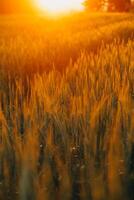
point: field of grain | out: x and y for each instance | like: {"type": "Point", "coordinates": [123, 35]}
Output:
{"type": "Point", "coordinates": [67, 107]}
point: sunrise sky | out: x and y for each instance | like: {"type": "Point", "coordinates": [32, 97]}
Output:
{"type": "Point", "coordinates": [58, 6]}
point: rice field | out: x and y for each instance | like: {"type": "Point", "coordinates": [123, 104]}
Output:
{"type": "Point", "coordinates": [67, 107]}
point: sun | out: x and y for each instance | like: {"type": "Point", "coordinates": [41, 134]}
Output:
{"type": "Point", "coordinates": [59, 6]}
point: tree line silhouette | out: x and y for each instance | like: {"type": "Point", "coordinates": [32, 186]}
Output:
{"type": "Point", "coordinates": [21, 6]}
{"type": "Point", "coordinates": [109, 5]}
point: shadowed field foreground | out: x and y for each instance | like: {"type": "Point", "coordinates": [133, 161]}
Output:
{"type": "Point", "coordinates": [67, 108]}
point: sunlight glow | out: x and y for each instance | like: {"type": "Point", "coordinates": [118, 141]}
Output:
{"type": "Point", "coordinates": [59, 6]}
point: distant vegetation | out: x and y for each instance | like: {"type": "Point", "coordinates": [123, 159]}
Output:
{"type": "Point", "coordinates": [26, 6]}
{"type": "Point", "coordinates": [109, 5]}
{"type": "Point", "coordinates": [67, 108]}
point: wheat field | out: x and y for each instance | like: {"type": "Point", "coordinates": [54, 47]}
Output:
{"type": "Point", "coordinates": [67, 107]}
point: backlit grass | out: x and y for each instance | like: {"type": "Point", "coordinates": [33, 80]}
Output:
{"type": "Point", "coordinates": [67, 108]}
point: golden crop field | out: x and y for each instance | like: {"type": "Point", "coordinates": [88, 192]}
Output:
{"type": "Point", "coordinates": [67, 107]}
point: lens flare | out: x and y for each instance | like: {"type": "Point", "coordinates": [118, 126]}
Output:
{"type": "Point", "coordinates": [59, 6]}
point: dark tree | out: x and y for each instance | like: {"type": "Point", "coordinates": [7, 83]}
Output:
{"type": "Point", "coordinates": [119, 5]}
{"type": "Point", "coordinates": [111, 5]}
{"type": "Point", "coordinates": [94, 5]}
